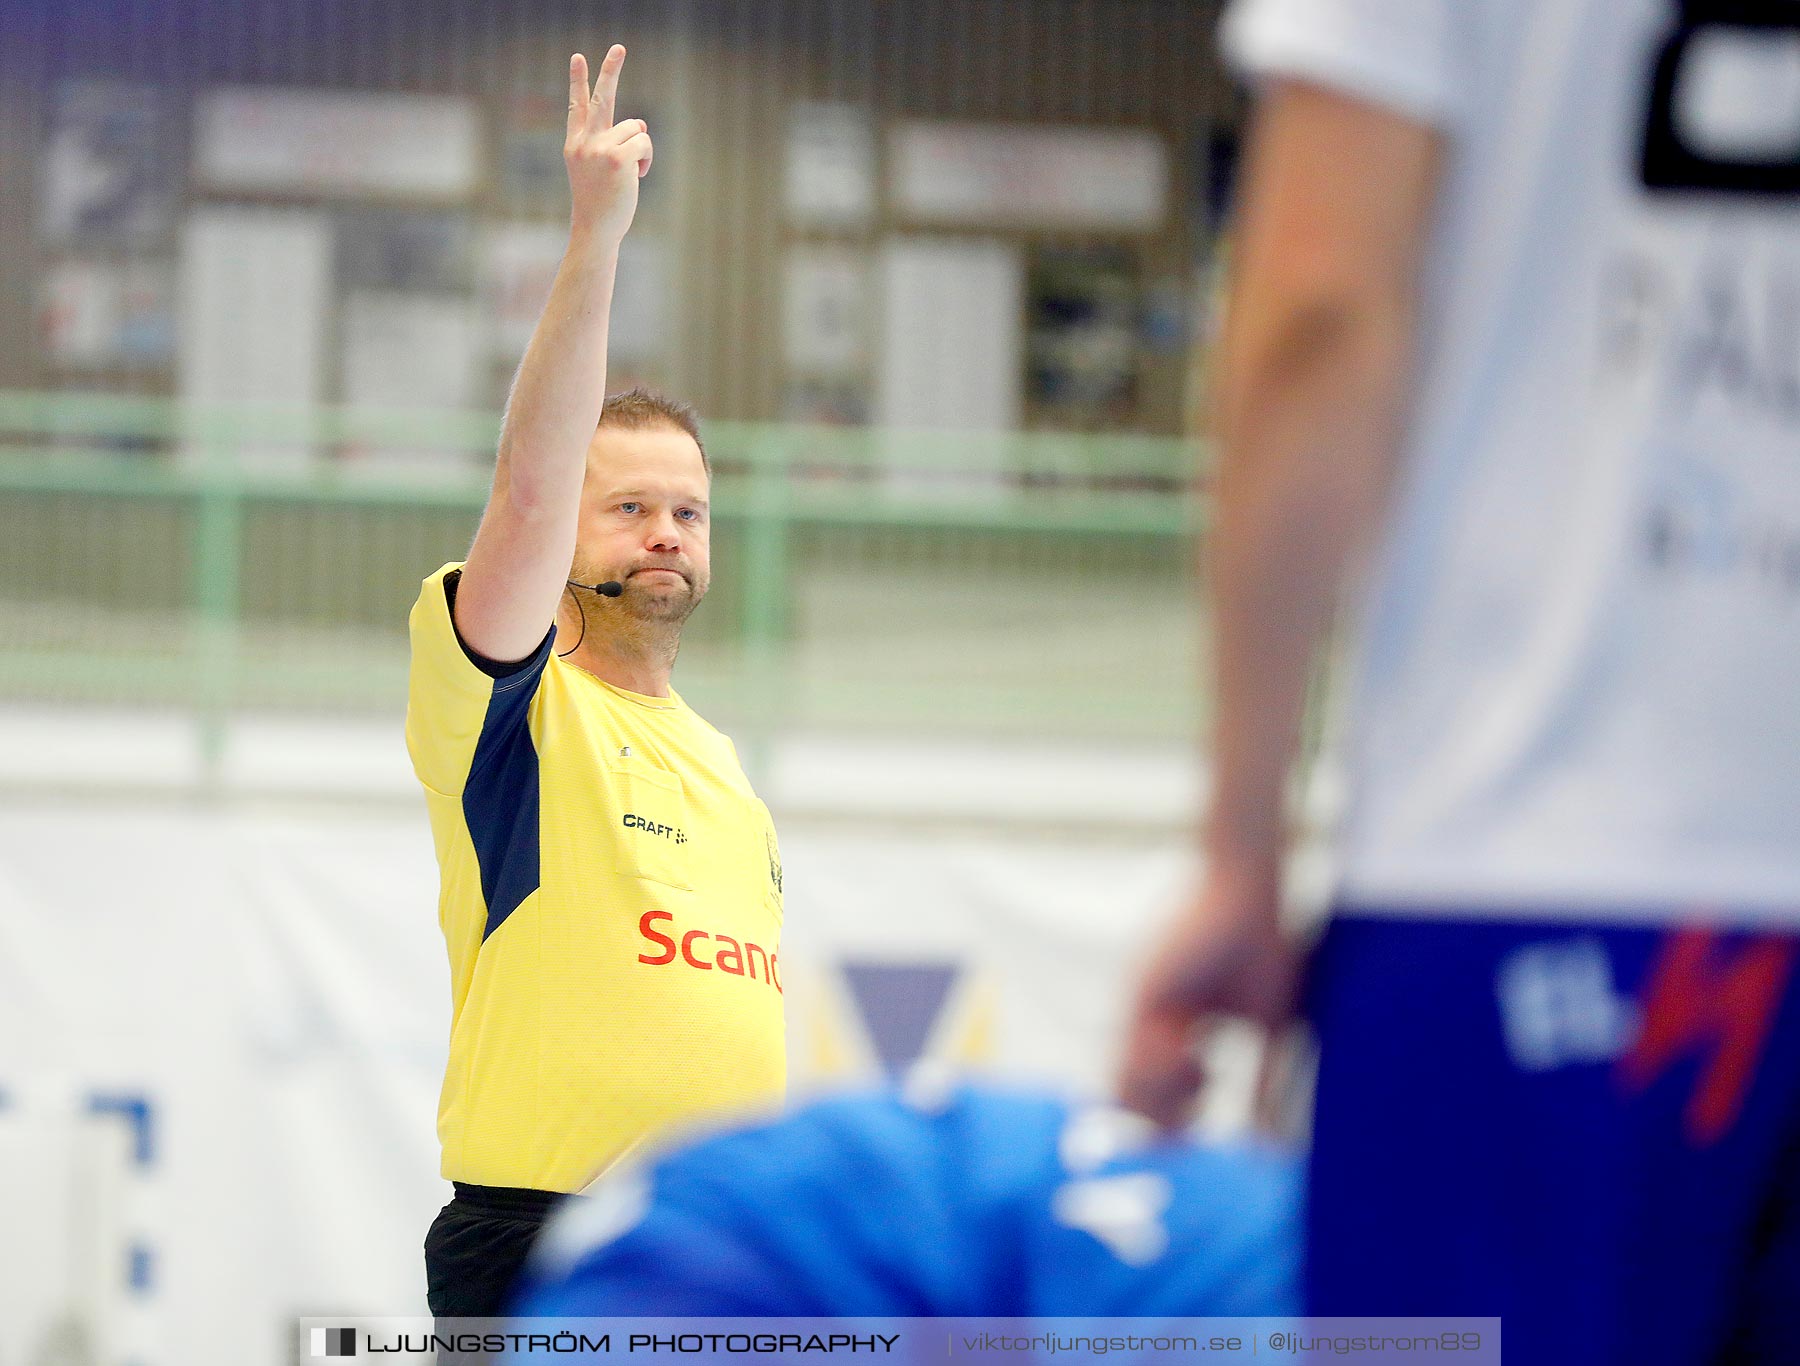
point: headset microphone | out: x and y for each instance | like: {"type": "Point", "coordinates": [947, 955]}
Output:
{"type": "Point", "coordinates": [612, 588]}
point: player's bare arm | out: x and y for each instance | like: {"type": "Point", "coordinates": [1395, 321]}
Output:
{"type": "Point", "coordinates": [1335, 210]}
{"type": "Point", "coordinates": [520, 560]}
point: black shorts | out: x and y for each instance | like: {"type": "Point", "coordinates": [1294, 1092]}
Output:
{"type": "Point", "coordinates": [477, 1246]}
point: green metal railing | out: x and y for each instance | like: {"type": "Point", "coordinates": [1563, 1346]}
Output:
{"type": "Point", "coordinates": [224, 558]}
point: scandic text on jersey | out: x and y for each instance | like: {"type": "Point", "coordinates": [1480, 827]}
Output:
{"type": "Point", "coordinates": [731, 957]}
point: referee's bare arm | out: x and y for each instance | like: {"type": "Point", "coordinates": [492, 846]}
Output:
{"type": "Point", "coordinates": [1313, 385]}
{"type": "Point", "coordinates": [520, 560]}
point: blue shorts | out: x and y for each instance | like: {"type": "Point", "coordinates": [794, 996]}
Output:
{"type": "Point", "coordinates": [1591, 1131]}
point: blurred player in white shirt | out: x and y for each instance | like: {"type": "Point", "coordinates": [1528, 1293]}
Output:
{"type": "Point", "coordinates": [1513, 354]}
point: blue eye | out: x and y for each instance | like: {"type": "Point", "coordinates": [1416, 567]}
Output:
{"type": "Point", "coordinates": [628, 507]}
{"type": "Point", "coordinates": [688, 515]}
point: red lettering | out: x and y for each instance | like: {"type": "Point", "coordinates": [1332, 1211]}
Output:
{"type": "Point", "coordinates": [687, 948]}
{"type": "Point", "coordinates": [734, 953]}
{"type": "Point", "coordinates": [1699, 1001]}
{"type": "Point", "coordinates": [668, 944]}
{"type": "Point", "coordinates": [730, 958]}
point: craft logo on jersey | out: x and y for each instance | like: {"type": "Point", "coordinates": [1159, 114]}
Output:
{"type": "Point", "coordinates": [649, 827]}
{"type": "Point", "coordinates": [774, 860]}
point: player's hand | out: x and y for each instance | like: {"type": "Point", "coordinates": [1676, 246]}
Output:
{"type": "Point", "coordinates": [605, 159]}
{"type": "Point", "coordinates": [1225, 954]}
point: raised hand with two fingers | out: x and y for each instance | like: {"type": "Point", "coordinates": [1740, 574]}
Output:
{"type": "Point", "coordinates": [605, 159]}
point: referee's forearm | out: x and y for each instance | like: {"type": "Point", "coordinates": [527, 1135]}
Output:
{"type": "Point", "coordinates": [1309, 407]}
{"type": "Point", "coordinates": [560, 388]}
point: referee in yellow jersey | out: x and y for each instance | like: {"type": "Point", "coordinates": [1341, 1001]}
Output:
{"type": "Point", "coordinates": [611, 886]}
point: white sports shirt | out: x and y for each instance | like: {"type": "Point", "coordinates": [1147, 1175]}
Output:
{"type": "Point", "coordinates": [1578, 665]}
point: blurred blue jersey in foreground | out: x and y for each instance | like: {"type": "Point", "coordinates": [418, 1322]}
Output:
{"type": "Point", "coordinates": [932, 1201]}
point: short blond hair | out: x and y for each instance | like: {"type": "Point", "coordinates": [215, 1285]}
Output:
{"type": "Point", "coordinates": [636, 409]}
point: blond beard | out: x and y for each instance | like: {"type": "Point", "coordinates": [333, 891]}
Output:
{"type": "Point", "coordinates": [637, 613]}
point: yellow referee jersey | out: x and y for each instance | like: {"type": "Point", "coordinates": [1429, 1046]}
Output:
{"type": "Point", "coordinates": [611, 901]}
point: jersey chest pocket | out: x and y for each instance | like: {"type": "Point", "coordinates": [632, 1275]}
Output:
{"type": "Point", "coordinates": [650, 822]}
